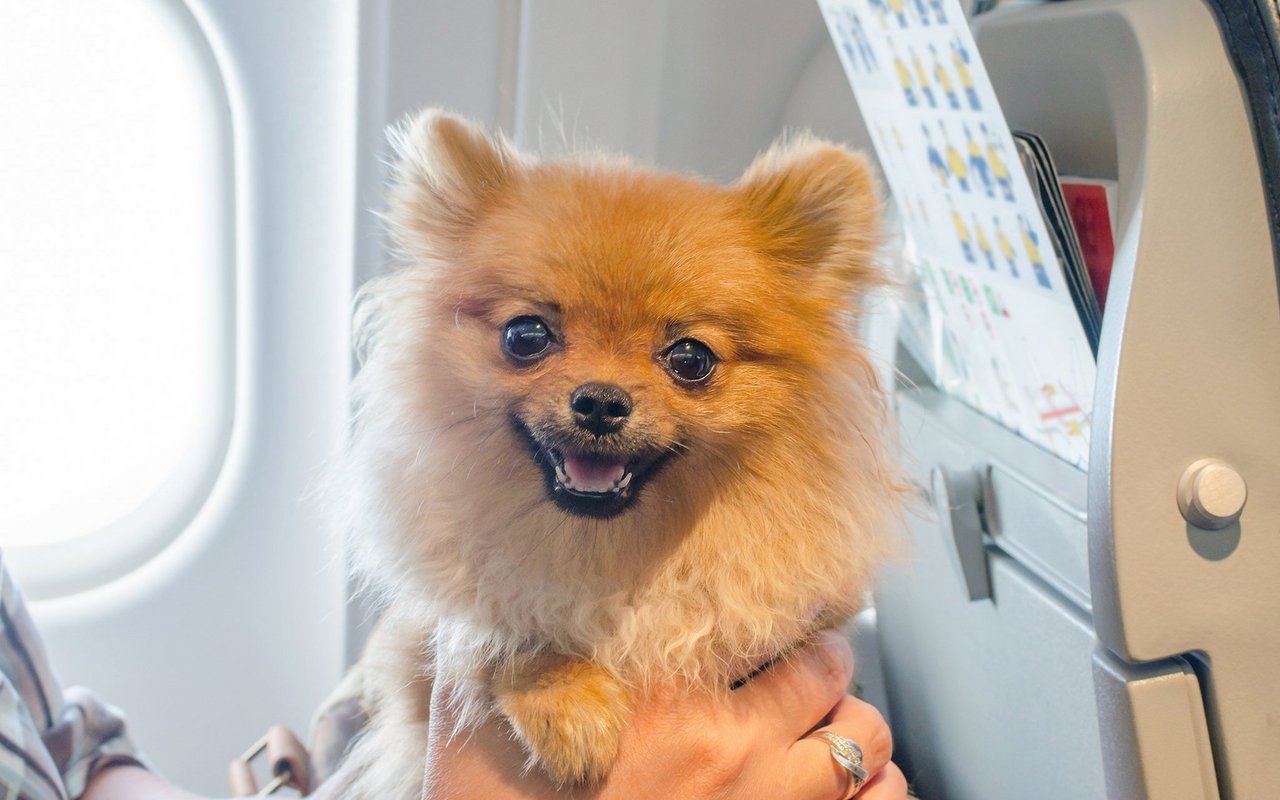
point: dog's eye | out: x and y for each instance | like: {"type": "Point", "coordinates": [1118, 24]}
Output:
{"type": "Point", "coordinates": [690, 360]}
{"type": "Point", "coordinates": [526, 338]}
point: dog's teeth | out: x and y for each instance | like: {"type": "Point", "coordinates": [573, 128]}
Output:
{"type": "Point", "coordinates": [561, 475]}
{"type": "Point", "coordinates": [624, 481]}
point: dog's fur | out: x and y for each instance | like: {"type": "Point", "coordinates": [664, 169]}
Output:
{"type": "Point", "coordinates": [770, 506]}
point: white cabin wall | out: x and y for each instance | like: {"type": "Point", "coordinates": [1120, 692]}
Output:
{"type": "Point", "coordinates": [239, 623]}
{"type": "Point", "coordinates": [731, 69]}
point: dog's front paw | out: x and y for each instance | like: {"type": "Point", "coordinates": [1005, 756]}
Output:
{"type": "Point", "coordinates": [569, 715]}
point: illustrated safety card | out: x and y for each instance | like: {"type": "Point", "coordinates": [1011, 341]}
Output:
{"type": "Point", "coordinates": [1003, 332]}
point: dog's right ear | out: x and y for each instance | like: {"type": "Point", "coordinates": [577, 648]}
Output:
{"type": "Point", "coordinates": [447, 172]}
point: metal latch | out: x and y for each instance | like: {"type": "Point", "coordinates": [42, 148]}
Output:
{"type": "Point", "coordinates": [958, 498]}
{"type": "Point", "coordinates": [287, 758]}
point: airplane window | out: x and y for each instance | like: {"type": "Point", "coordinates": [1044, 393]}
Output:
{"type": "Point", "coordinates": [116, 274]}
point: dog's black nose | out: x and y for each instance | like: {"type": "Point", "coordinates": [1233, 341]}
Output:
{"type": "Point", "coordinates": [600, 407]}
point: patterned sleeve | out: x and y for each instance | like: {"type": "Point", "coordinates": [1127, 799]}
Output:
{"type": "Point", "coordinates": [51, 742]}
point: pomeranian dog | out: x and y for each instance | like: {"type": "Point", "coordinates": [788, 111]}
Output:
{"type": "Point", "coordinates": [612, 425]}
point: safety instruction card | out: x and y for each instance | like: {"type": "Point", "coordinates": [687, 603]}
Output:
{"type": "Point", "coordinates": [1002, 331]}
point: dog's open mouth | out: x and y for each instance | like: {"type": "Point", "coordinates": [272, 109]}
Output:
{"type": "Point", "coordinates": [592, 482]}
{"type": "Point", "coordinates": [592, 475]}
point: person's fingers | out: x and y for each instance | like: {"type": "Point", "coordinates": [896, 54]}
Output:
{"type": "Point", "coordinates": [887, 784]}
{"type": "Point", "coordinates": [795, 694]}
{"type": "Point", "coordinates": [814, 769]}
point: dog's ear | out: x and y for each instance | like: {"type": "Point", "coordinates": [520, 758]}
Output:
{"type": "Point", "coordinates": [818, 209]}
{"type": "Point", "coordinates": [447, 172]}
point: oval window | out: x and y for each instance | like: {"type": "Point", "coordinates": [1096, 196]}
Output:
{"type": "Point", "coordinates": [116, 304]}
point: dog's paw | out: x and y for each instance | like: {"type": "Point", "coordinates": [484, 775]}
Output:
{"type": "Point", "coordinates": [568, 714]}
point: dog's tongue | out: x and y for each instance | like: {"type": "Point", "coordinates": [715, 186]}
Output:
{"type": "Point", "coordinates": [594, 473]}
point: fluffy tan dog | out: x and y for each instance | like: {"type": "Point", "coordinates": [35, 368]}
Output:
{"type": "Point", "coordinates": [612, 425]}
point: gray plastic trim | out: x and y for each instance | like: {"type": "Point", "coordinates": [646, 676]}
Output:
{"type": "Point", "coordinates": [1155, 742]}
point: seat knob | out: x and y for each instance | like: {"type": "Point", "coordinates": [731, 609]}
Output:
{"type": "Point", "coordinates": [1211, 494]}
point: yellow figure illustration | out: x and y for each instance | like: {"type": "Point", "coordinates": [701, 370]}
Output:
{"type": "Point", "coordinates": [923, 78]}
{"type": "Point", "coordinates": [984, 244]}
{"type": "Point", "coordinates": [897, 138]}
{"type": "Point", "coordinates": [975, 150]}
{"type": "Point", "coordinates": [904, 79]}
{"type": "Point", "coordinates": [962, 233]}
{"type": "Point", "coordinates": [978, 164]}
{"type": "Point", "coordinates": [936, 162]}
{"type": "Point", "coordinates": [899, 9]}
{"type": "Point", "coordinates": [960, 58]}
{"type": "Point", "coordinates": [1031, 243]}
{"type": "Point", "coordinates": [999, 169]}
{"type": "Point", "coordinates": [944, 80]}
{"type": "Point", "coordinates": [1006, 248]}
{"type": "Point", "coordinates": [955, 161]}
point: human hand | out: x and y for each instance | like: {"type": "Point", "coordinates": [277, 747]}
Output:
{"type": "Point", "coordinates": [686, 745]}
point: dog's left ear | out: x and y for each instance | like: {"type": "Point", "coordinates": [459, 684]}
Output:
{"type": "Point", "coordinates": [818, 208]}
